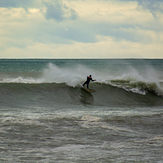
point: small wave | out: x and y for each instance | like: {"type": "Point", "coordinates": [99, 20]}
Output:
{"type": "Point", "coordinates": [21, 80]}
{"type": "Point", "coordinates": [93, 122]}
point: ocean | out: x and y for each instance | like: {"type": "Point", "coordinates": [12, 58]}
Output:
{"type": "Point", "coordinates": [46, 115]}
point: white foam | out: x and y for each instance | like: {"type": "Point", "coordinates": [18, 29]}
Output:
{"type": "Point", "coordinates": [21, 80]}
{"type": "Point", "coordinates": [137, 81]}
{"type": "Point", "coordinates": [72, 76]}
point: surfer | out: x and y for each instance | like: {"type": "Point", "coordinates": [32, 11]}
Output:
{"type": "Point", "coordinates": [89, 78]}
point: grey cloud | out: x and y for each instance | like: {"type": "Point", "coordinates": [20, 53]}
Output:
{"type": "Point", "coordinates": [73, 14]}
{"type": "Point", "coordinates": [58, 11]}
{"type": "Point", "coordinates": [15, 3]}
{"type": "Point", "coordinates": [54, 12]}
{"type": "Point", "coordinates": [152, 5]}
{"type": "Point", "coordinates": [57, 33]}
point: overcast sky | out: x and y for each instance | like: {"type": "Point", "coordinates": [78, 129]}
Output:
{"type": "Point", "coordinates": [81, 28]}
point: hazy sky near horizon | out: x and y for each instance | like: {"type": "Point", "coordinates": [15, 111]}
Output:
{"type": "Point", "coordinates": [81, 29]}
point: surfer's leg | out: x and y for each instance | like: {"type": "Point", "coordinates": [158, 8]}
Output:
{"type": "Point", "coordinates": [84, 84]}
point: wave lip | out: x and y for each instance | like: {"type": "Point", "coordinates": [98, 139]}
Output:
{"type": "Point", "coordinates": [139, 87]}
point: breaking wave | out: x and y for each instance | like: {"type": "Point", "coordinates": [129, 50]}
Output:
{"type": "Point", "coordinates": [74, 76]}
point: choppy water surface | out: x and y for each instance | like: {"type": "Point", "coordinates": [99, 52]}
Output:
{"type": "Point", "coordinates": [46, 116]}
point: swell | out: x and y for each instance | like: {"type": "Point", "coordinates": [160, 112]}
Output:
{"type": "Point", "coordinates": [55, 95]}
{"type": "Point", "coordinates": [131, 85]}
{"type": "Point", "coordinates": [132, 80]}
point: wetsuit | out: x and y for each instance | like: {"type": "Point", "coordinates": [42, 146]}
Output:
{"type": "Point", "coordinates": [88, 80]}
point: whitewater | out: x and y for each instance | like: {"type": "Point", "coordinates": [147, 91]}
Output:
{"type": "Point", "coordinates": [46, 116]}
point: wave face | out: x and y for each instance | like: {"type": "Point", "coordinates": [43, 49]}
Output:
{"type": "Point", "coordinates": [59, 82]}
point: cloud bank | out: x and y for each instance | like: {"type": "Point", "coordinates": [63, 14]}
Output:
{"type": "Point", "coordinates": [81, 29]}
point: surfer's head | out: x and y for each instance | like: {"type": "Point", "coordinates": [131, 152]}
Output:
{"type": "Point", "coordinates": [90, 75]}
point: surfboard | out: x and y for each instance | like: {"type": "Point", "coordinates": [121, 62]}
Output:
{"type": "Point", "coordinates": [89, 90]}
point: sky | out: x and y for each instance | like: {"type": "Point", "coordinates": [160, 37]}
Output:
{"type": "Point", "coordinates": [81, 29]}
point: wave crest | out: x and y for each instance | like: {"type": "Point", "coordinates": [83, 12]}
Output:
{"type": "Point", "coordinates": [140, 87]}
